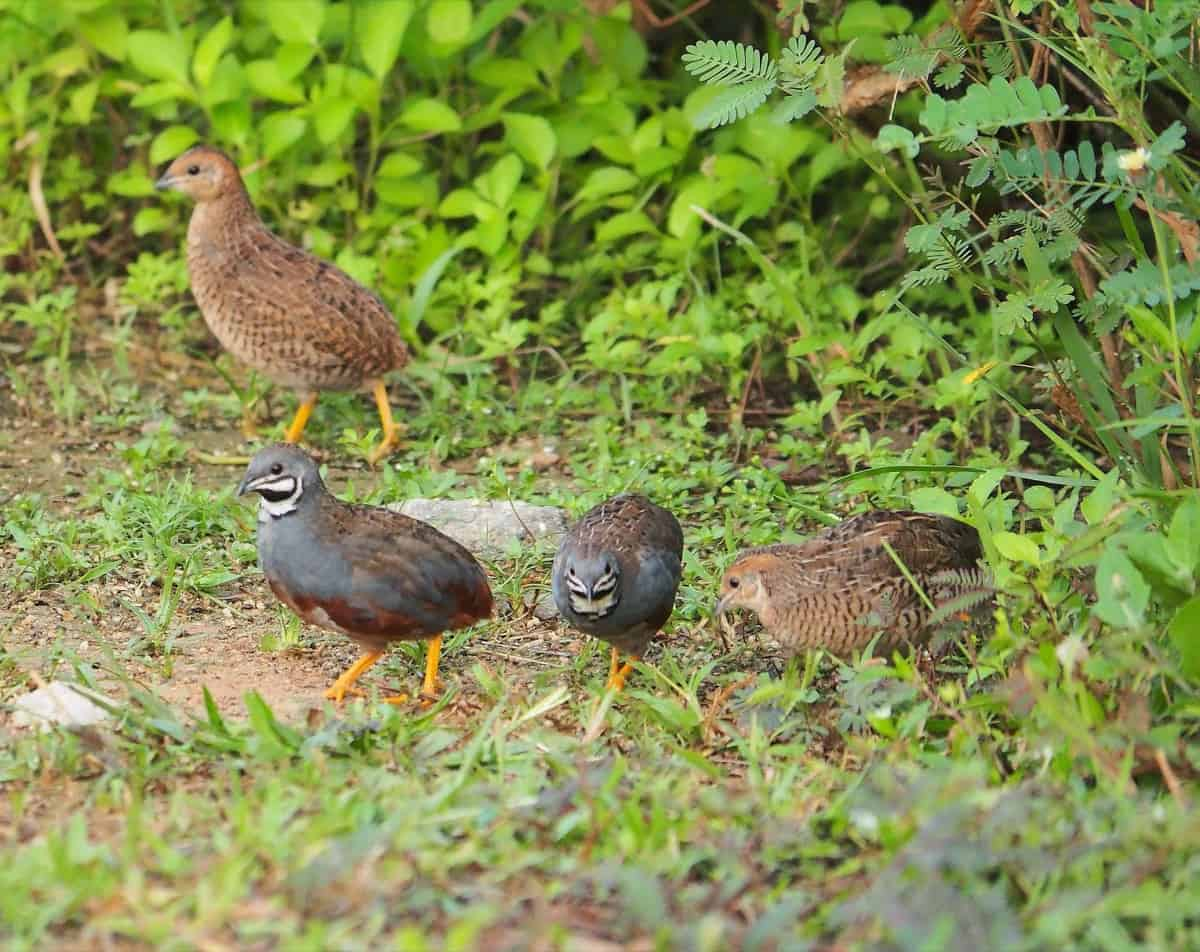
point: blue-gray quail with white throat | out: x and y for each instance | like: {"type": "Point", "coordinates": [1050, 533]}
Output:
{"type": "Point", "coordinates": [371, 574]}
{"type": "Point", "coordinates": [616, 574]}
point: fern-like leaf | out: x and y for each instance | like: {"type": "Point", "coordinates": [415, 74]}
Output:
{"type": "Point", "coordinates": [726, 63]}
{"type": "Point", "coordinates": [732, 104]}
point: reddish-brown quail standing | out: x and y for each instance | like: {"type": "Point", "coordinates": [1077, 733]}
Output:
{"type": "Point", "coordinates": [300, 321]}
{"type": "Point", "coordinates": [845, 585]}
{"type": "Point", "coordinates": [371, 574]}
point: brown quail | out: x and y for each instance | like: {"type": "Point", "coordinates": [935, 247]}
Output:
{"type": "Point", "coordinates": [371, 574]}
{"type": "Point", "coordinates": [616, 574]}
{"type": "Point", "coordinates": [843, 587]}
{"type": "Point", "coordinates": [300, 321]}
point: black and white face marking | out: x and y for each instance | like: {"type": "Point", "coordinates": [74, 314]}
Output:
{"type": "Point", "coordinates": [598, 600]}
{"type": "Point", "coordinates": [280, 494]}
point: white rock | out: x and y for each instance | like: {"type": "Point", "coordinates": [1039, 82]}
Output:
{"type": "Point", "coordinates": [488, 527]}
{"type": "Point", "coordinates": [61, 704]}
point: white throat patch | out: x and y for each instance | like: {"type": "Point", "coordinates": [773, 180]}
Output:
{"type": "Point", "coordinates": [278, 497]}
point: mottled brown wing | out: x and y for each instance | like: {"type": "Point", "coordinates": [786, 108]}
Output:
{"type": "Point", "coordinates": [628, 524]}
{"type": "Point", "coordinates": [323, 318]}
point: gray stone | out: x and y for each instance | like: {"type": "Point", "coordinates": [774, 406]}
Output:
{"type": "Point", "coordinates": [60, 704]}
{"type": "Point", "coordinates": [488, 528]}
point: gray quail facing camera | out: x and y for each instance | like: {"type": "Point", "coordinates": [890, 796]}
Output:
{"type": "Point", "coordinates": [616, 574]}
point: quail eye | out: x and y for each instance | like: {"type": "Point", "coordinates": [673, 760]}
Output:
{"type": "Point", "coordinates": [571, 571]}
{"type": "Point", "coordinates": [276, 469]}
{"type": "Point", "coordinates": [193, 170]}
{"type": "Point", "coordinates": [734, 583]}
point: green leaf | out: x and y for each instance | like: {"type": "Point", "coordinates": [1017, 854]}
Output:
{"type": "Point", "coordinates": [1099, 502]}
{"type": "Point", "coordinates": [232, 121]}
{"type": "Point", "coordinates": [448, 22]}
{"type": "Point", "coordinates": [1122, 593]}
{"type": "Point", "coordinates": [171, 142]}
{"type": "Point", "coordinates": [331, 116]}
{"type": "Point", "coordinates": [897, 137]}
{"type": "Point", "coordinates": [1019, 548]}
{"type": "Point", "coordinates": [83, 101]}
{"type": "Point", "coordinates": [1184, 630]}
{"type": "Point", "coordinates": [280, 131]}
{"type": "Point", "coordinates": [430, 115]}
{"type": "Point", "coordinates": [511, 75]}
{"type": "Point", "coordinates": [460, 203]}
{"type": "Point", "coordinates": [379, 29]}
{"type": "Point", "coordinates": [149, 220]}
{"type": "Point", "coordinates": [108, 32]}
{"type": "Point", "coordinates": [1183, 536]}
{"type": "Point", "coordinates": [398, 165]}
{"type": "Point", "coordinates": [209, 50]}
{"type": "Point", "coordinates": [623, 225]}
{"type": "Point", "coordinates": [608, 180]}
{"type": "Point", "coordinates": [294, 21]}
{"type": "Point", "coordinates": [934, 499]}
{"type": "Point", "coordinates": [532, 137]}
{"type": "Point", "coordinates": [159, 55]}
{"type": "Point", "coordinates": [499, 183]}
{"type": "Point", "coordinates": [266, 78]}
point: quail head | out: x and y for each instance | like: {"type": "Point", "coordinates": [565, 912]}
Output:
{"type": "Point", "coordinates": [616, 574]}
{"type": "Point", "coordinates": [300, 321]}
{"type": "Point", "coordinates": [371, 574]}
{"type": "Point", "coordinates": [845, 585]}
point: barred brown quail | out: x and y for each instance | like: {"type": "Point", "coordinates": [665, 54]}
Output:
{"type": "Point", "coordinates": [371, 574]}
{"type": "Point", "coordinates": [843, 587]}
{"type": "Point", "coordinates": [616, 574]}
{"type": "Point", "coordinates": [300, 321]}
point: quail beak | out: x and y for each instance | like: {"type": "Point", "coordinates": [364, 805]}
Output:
{"type": "Point", "coordinates": [722, 607]}
{"type": "Point", "coordinates": [245, 485]}
{"type": "Point", "coordinates": [166, 183]}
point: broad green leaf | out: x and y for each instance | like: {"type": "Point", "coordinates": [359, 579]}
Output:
{"type": "Point", "coordinates": [83, 100]}
{"type": "Point", "coordinates": [1099, 502]}
{"type": "Point", "coordinates": [150, 219]}
{"type": "Point", "coordinates": [232, 121]}
{"type": "Point", "coordinates": [511, 75]}
{"type": "Point", "coordinates": [448, 22]}
{"type": "Point", "coordinates": [499, 183]}
{"type": "Point", "coordinates": [984, 485]}
{"type": "Point", "coordinates": [331, 116]}
{"type": "Point", "coordinates": [266, 79]}
{"type": "Point", "coordinates": [934, 499]}
{"type": "Point", "coordinates": [1019, 548]}
{"type": "Point", "coordinates": [280, 131]}
{"type": "Point", "coordinates": [430, 115]}
{"type": "Point", "coordinates": [415, 191]}
{"type": "Point", "coordinates": [1183, 536]}
{"type": "Point", "coordinates": [171, 142]}
{"type": "Point", "coordinates": [154, 94]}
{"type": "Point", "coordinates": [326, 173]}
{"type": "Point", "coordinates": [159, 55]}
{"type": "Point", "coordinates": [399, 165]}
{"type": "Point", "coordinates": [209, 50]}
{"type": "Point", "coordinates": [1185, 635]}
{"type": "Point", "coordinates": [460, 203]}
{"type": "Point", "coordinates": [294, 21]}
{"type": "Point", "coordinates": [1122, 593]}
{"type": "Point", "coordinates": [892, 137]}
{"type": "Point", "coordinates": [605, 181]}
{"type": "Point", "coordinates": [531, 136]}
{"type": "Point", "coordinates": [292, 59]}
{"type": "Point", "coordinates": [107, 31]}
{"type": "Point", "coordinates": [379, 29]}
{"type": "Point", "coordinates": [623, 225]}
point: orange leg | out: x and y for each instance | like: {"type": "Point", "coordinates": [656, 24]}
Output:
{"type": "Point", "coordinates": [429, 688]}
{"type": "Point", "coordinates": [303, 412]}
{"type": "Point", "coordinates": [391, 433]}
{"type": "Point", "coordinates": [345, 683]}
{"type": "Point", "coordinates": [617, 675]}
